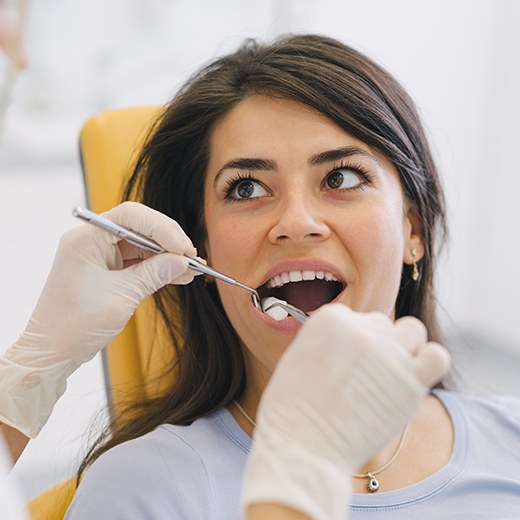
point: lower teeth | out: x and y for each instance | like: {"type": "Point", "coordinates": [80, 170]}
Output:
{"type": "Point", "coordinates": [277, 313]}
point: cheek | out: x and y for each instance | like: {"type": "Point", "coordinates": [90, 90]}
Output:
{"type": "Point", "coordinates": [375, 244]}
{"type": "Point", "coordinates": [222, 240]}
{"type": "Point", "coordinates": [375, 232]}
{"type": "Point", "coordinates": [231, 242]}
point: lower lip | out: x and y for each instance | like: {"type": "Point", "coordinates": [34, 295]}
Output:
{"type": "Point", "coordinates": [288, 325]}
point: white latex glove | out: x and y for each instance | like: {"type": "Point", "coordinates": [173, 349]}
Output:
{"type": "Point", "coordinates": [345, 387]}
{"type": "Point", "coordinates": [93, 289]}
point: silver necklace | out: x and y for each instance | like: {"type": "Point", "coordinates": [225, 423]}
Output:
{"type": "Point", "coordinates": [244, 414]}
{"type": "Point", "coordinates": [372, 484]}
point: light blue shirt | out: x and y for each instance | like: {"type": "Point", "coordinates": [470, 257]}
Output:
{"type": "Point", "coordinates": [195, 472]}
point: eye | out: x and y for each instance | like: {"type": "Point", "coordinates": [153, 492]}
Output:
{"type": "Point", "coordinates": [245, 189]}
{"type": "Point", "coordinates": [345, 179]}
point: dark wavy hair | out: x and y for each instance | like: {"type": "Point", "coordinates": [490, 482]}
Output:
{"type": "Point", "coordinates": [333, 79]}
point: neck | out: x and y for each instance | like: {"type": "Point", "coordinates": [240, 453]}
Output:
{"type": "Point", "coordinates": [257, 380]}
{"type": "Point", "coordinates": [426, 448]}
{"type": "Point", "coordinates": [249, 406]}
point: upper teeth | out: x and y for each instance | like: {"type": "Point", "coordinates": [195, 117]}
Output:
{"type": "Point", "coordinates": [298, 276]}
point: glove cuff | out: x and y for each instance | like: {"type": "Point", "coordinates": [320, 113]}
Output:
{"type": "Point", "coordinates": [28, 394]}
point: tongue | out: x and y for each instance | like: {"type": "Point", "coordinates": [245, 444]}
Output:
{"type": "Point", "coordinates": [308, 295]}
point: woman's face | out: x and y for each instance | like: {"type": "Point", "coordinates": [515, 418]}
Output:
{"type": "Point", "coordinates": [295, 202]}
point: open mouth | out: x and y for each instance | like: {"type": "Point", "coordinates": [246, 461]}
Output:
{"type": "Point", "coordinates": [307, 290]}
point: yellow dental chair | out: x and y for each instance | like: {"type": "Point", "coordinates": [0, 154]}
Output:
{"type": "Point", "coordinates": [109, 142]}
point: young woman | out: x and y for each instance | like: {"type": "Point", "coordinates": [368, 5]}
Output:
{"type": "Point", "coordinates": [96, 283]}
{"type": "Point", "coordinates": [301, 169]}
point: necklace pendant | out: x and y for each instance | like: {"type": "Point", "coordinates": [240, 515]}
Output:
{"type": "Point", "coordinates": [372, 484]}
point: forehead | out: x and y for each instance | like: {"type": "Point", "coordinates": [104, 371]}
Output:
{"type": "Point", "coordinates": [280, 129]}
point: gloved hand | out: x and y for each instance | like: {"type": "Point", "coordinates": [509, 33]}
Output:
{"type": "Point", "coordinates": [92, 290]}
{"type": "Point", "coordinates": [345, 387]}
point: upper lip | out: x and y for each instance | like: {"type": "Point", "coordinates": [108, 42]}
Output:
{"type": "Point", "coordinates": [302, 264]}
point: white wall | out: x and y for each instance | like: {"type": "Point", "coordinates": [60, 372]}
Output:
{"type": "Point", "coordinates": [459, 60]}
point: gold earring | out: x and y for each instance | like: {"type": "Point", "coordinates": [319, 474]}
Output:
{"type": "Point", "coordinates": [415, 271]}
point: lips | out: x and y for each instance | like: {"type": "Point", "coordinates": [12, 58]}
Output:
{"type": "Point", "coordinates": [307, 285]}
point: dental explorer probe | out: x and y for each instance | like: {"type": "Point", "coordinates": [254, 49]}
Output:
{"type": "Point", "coordinates": [139, 240]}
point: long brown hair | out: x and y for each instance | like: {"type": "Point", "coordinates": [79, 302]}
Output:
{"type": "Point", "coordinates": [333, 79]}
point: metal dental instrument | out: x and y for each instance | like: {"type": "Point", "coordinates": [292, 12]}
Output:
{"type": "Point", "coordinates": [300, 315]}
{"type": "Point", "coordinates": [150, 245]}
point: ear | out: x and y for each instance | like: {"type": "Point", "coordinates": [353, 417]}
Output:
{"type": "Point", "coordinates": [413, 237]}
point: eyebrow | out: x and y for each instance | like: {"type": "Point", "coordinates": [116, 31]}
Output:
{"type": "Point", "coordinates": [341, 153]}
{"type": "Point", "coordinates": [246, 164]}
{"type": "Point", "coordinates": [315, 160]}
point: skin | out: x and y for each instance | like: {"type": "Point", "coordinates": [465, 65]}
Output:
{"type": "Point", "coordinates": [294, 217]}
{"type": "Point", "coordinates": [274, 512]}
{"type": "Point", "coordinates": [364, 235]}
{"type": "Point", "coordinates": [15, 440]}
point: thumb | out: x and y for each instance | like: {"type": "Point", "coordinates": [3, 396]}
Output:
{"type": "Point", "coordinates": [432, 364]}
{"type": "Point", "coordinates": [157, 271]}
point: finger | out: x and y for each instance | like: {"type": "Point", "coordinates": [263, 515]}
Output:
{"type": "Point", "coordinates": [185, 278]}
{"type": "Point", "coordinates": [151, 274]}
{"type": "Point", "coordinates": [132, 254]}
{"type": "Point", "coordinates": [432, 364]}
{"type": "Point", "coordinates": [153, 224]}
{"type": "Point", "coordinates": [376, 321]}
{"type": "Point", "coordinates": [410, 333]}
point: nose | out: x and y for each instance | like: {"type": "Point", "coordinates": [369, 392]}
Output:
{"type": "Point", "coordinates": [299, 219]}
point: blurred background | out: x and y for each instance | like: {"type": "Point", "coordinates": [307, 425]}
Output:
{"type": "Point", "coordinates": [460, 61]}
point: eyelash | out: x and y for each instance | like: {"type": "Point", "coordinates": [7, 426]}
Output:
{"type": "Point", "coordinates": [357, 168]}
{"type": "Point", "coordinates": [233, 182]}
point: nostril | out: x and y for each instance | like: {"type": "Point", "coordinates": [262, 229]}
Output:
{"type": "Point", "coordinates": [299, 230]}
{"type": "Point", "coordinates": [299, 237]}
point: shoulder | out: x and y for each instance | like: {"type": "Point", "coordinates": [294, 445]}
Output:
{"type": "Point", "coordinates": [162, 472]}
{"type": "Point", "coordinates": [149, 458]}
{"type": "Point", "coordinates": [171, 472]}
{"type": "Point", "coordinates": [491, 403]}
{"type": "Point", "coordinates": [142, 478]}
{"type": "Point", "coordinates": [489, 413]}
